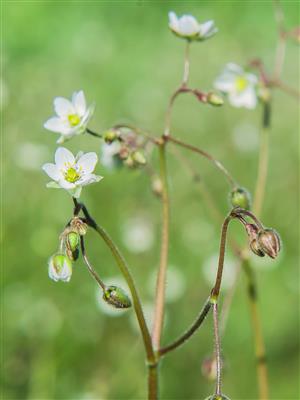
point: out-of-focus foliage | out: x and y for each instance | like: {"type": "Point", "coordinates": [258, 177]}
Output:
{"type": "Point", "coordinates": [60, 342]}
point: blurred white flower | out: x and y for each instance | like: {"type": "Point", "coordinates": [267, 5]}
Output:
{"type": "Point", "coordinates": [72, 173]}
{"type": "Point", "coordinates": [188, 27]}
{"type": "Point", "coordinates": [60, 268]}
{"type": "Point", "coordinates": [138, 235]}
{"type": "Point", "coordinates": [109, 154]}
{"type": "Point", "coordinates": [72, 116]}
{"type": "Point", "coordinates": [238, 85]}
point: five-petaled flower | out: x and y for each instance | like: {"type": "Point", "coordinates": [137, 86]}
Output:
{"type": "Point", "coordinates": [187, 27]}
{"type": "Point", "coordinates": [72, 116]}
{"type": "Point", "coordinates": [72, 173]}
{"type": "Point", "coordinates": [238, 85]}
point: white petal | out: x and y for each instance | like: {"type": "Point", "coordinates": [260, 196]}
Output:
{"type": "Point", "coordinates": [76, 192]}
{"type": "Point", "coordinates": [89, 178]}
{"type": "Point", "coordinates": [246, 99]}
{"type": "Point", "coordinates": [63, 107]}
{"type": "Point", "coordinates": [78, 100]}
{"type": "Point", "coordinates": [173, 21]}
{"type": "Point", "coordinates": [234, 68]}
{"type": "Point", "coordinates": [52, 171]}
{"type": "Point", "coordinates": [66, 185]}
{"type": "Point", "coordinates": [64, 158]}
{"type": "Point", "coordinates": [188, 25]}
{"type": "Point", "coordinates": [251, 78]}
{"type": "Point", "coordinates": [56, 124]}
{"type": "Point", "coordinates": [87, 162]}
{"type": "Point", "coordinates": [225, 83]}
{"type": "Point", "coordinates": [206, 27]}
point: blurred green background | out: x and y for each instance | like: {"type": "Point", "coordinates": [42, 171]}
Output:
{"type": "Point", "coordinates": [59, 342]}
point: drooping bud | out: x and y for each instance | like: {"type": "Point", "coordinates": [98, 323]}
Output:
{"type": "Point", "coordinates": [214, 99]}
{"type": "Point", "coordinates": [72, 245]}
{"type": "Point", "coordinates": [116, 297]}
{"type": "Point", "coordinates": [269, 242]}
{"type": "Point", "coordinates": [240, 197]}
{"type": "Point", "coordinates": [157, 186]}
{"type": "Point", "coordinates": [254, 247]}
{"type": "Point", "coordinates": [217, 397]}
{"type": "Point", "coordinates": [138, 157]}
{"type": "Point", "coordinates": [79, 226]}
{"type": "Point", "coordinates": [110, 136]}
{"type": "Point", "coordinates": [60, 268]}
{"type": "Point", "coordinates": [209, 368]}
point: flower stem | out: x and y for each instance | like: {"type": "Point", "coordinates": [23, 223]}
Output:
{"type": "Point", "coordinates": [89, 266]}
{"type": "Point", "coordinates": [217, 350]}
{"type": "Point", "coordinates": [186, 68]}
{"type": "Point", "coordinates": [203, 153]}
{"type": "Point", "coordinates": [93, 133]}
{"type": "Point", "coordinates": [151, 358]}
{"type": "Point", "coordinates": [190, 331]}
{"type": "Point", "coordinates": [162, 273]}
{"type": "Point", "coordinates": [263, 161]}
{"type": "Point", "coordinates": [262, 372]}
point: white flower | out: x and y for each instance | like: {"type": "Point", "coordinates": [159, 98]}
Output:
{"type": "Point", "coordinates": [109, 155]}
{"type": "Point", "coordinates": [189, 28]}
{"type": "Point", "coordinates": [72, 173]}
{"type": "Point", "coordinates": [238, 85]}
{"type": "Point", "coordinates": [60, 268]}
{"type": "Point", "coordinates": [72, 116]}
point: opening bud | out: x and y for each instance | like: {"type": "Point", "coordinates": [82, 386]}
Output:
{"type": "Point", "coordinates": [214, 99]}
{"type": "Point", "coordinates": [240, 197]}
{"type": "Point", "coordinates": [116, 297]}
{"type": "Point", "coordinates": [138, 157]}
{"type": "Point", "coordinates": [60, 268]}
{"type": "Point", "coordinates": [269, 242]}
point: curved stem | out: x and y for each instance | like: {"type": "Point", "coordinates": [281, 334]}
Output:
{"type": "Point", "coordinates": [162, 273]}
{"type": "Point", "coordinates": [203, 153]}
{"type": "Point", "coordinates": [263, 162]}
{"type": "Point", "coordinates": [260, 353]}
{"type": "Point", "coordinates": [89, 266]}
{"type": "Point", "coordinates": [189, 332]}
{"type": "Point", "coordinates": [93, 133]}
{"type": "Point", "coordinates": [127, 275]}
{"type": "Point", "coordinates": [186, 69]}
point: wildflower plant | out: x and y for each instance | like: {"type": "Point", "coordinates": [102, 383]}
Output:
{"type": "Point", "coordinates": [129, 146]}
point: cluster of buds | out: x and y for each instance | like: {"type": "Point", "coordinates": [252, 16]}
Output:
{"type": "Point", "coordinates": [263, 241]}
{"type": "Point", "coordinates": [125, 147]}
{"type": "Point", "coordinates": [60, 264]}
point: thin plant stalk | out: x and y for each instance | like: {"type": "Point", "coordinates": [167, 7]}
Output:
{"type": "Point", "coordinates": [217, 350]}
{"type": "Point", "coordinates": [162, 273]}
{"type": "Point", "coordinates": [186, 69]}
{"type": "Point", "coordinates": [89, 265]}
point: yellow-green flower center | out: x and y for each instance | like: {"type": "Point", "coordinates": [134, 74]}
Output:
{"type": "Point", "coordinates": [71, 175]}
{"type": "Point", "coordinates": [241, 83]}
{"type": "Point", "coordinates": [74, 119]}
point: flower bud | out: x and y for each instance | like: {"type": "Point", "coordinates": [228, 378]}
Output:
{"type": "Point", "coordinates": [214, 99]}
{"type": "Point", "coordinates": [72, 255]}
{"type": "Point", "coordinates": [129, 162]}
{"type": "Point", "coordinates": [110, 136]}
{"type": "Point", "coordinates": [240, 197]}
{"type": "Point", "coordinates": [72, 241]}
{"type": "Point", "coordinates": [116, 297]}
{"type": "Point", "coordinates": [79, 226]}
{"type": "Point", "coordinates": [254, 246]}
{"type": "Point", "coordinates": [60, 268]}
{"type": "Point", "coordinates": [157, 186]}
{"type": "Point", "coordinates": [269, 242]}
{"type": "Point", "coordinates": [138, 157]}
{"type": "Point", "coordinates": [217, 397]}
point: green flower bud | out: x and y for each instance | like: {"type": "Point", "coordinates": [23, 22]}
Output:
{"type": "Point", "coordinates": [72, 241]}
{"type": "Point", "coordinates": [214, 99]}
{"type": "Point", "coordinates": [255, 248]}
{"type": "Point", "coordinates": [217, 397]}
{"type": "Point", "coordinates": [60, 268]}
{"type": "Point", "coordinates": [138, 157]}
{"type": "Point", "coordinates": [116, 297]}
{"type": "Point", "coordinates": [110, 136]}
{"type": "Point", "coordinates": [269, 242]}
{"type": "Point", "coordinates": [240, 197]}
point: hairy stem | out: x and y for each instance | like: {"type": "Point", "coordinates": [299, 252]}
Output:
{"type": "Point", "coordinates": [260, 353]}
{"type": "Point", "coordinates": [190, 331]}
{"type": "Point", "coordinates": [162, 273]}
{"type": "Point", "coordinates": [217, 350]}
{"type": "Point", "coordinates": [203, 153]}
{"type": "Point", "coordinates": [127, 275]}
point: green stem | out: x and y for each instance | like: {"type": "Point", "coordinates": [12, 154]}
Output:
{"type": "Point", "coordinates": [162, 273]}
